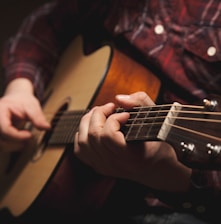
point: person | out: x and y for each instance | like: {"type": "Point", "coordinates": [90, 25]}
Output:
{"type": "Point", "coordinates": [178, 39]}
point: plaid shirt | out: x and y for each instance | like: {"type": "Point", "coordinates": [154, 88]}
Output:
{"type": "Point", "coordinates": [182, 39]}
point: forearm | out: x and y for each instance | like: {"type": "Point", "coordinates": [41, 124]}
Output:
{"type": "Point", "coordinates": [34, 51]}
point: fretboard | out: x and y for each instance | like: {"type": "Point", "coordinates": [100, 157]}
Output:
{"type": "Point", "coordinates": [145, 123]}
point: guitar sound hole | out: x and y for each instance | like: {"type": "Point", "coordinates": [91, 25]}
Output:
{"type": "Point", "coordinates": [44, 141]}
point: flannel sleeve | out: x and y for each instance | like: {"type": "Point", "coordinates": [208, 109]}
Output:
{"type": "Point", "coordinates": [33, 52]}
{"type": "Point", "coordinates": [37, 46]}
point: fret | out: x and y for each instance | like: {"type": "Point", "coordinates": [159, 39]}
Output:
{"type": "Point", "coordinates": [138, 118]}
{"type": "Point", "coordinates": [145, 122]}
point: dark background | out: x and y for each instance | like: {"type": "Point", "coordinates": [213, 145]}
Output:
{"type": "Point", "coordinates": [12, 13]}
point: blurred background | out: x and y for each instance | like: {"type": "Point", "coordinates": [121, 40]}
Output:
{"type": "Point", "coordinates": [12, 12]}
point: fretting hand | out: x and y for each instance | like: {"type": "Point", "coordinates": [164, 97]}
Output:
{"type": "Point", "coordinates": [101, 145]}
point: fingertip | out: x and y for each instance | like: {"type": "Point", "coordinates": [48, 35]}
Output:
{"type": "Point", "coordinates": [42, 124]}
{"type": "Point", "coordinates": [47, 125]}
{"type": "Point", "coordinates": [111, 105]}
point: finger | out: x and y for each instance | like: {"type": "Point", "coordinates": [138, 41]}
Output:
{"type": "Point", "coordinates": [111, 130]}
{"type": "Point", "coordinates": [81, 137]}
{"type": "Point", "coordinates": [98, 120]}
{"type": "Point", "coordinates": [37, 117]}
{"type": "Point", "coordinates": [85, 137]}
{"type": "Point", "coordinates": [12, 133]}
{"type": "Point", "coordinates": [9, 131]}
{"type": "Point", "coordinates": [83, 128]}
{"type": "Point", "coordinates": [135, 99]}
{"type": "Point", "coordinates": [76, 145]}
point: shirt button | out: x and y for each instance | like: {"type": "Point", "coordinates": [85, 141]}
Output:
{"type": "Point", "coordinates": [117, 29]}
{"type": "Point", "coordinates": [159, 29]}
{"type": "Point", "coordinates": [200, 209]}
{"type": "Point", "coordinates": [211, 51]}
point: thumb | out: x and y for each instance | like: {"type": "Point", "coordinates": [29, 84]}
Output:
{"type": "Point", "coordinates": [37, 117]}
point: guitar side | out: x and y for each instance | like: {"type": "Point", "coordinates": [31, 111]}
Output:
{"type": "Point", "coordinates": [80, 81]}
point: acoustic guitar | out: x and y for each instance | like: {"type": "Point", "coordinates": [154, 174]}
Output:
{"type": "Point", "coordinates": [46, 176]}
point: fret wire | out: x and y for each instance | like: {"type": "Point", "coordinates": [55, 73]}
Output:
{"type": "Point", "coordinates": [142, 128]}
{"type": "Point", "coordinates": [130, 130]}
{"type": "Point", "coordinates": [137, 127]}
{"type": "Point", "coordinates": [141, 124]}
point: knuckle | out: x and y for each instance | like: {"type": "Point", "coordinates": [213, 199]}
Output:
{"type": "Point", "coordinates": [93, 133]}
{"type": "Point", "coordinates": [142, 95]}
{"type": "Point", "coordinates": [105, 136]}
{"type": "Point", "coordinates": [80, 140]}
{"type": "Point", "coordinates": [144, 99]}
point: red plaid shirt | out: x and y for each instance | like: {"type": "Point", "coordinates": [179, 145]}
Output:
{"type": "Point", "coordinates": [182, 39]}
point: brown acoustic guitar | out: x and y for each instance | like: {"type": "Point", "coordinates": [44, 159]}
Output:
{"type": "Point", "coordinates": [46, 176]}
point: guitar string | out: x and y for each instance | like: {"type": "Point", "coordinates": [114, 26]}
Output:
{"type": "Point", "coordinates": [70, 116]}
{"type": "Point", "coordinates": [132, 121]}
{"type": "Point", "coordinates": [147, 108]}
{"type": "Point", "coordinates": [196, 132]}
{"type": "Point", "coordinates": [205, 135]}
{"type": "Point", "coordinates": [136, 108]}
{"type": "Point", "coordinates": [61, 130]}
{"type": "Point", "coordinates": [182, 128]}
{"type": "Point", "coordinates": [71, 130]}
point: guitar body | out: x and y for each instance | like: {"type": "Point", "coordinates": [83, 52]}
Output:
{"type": "Point", "coordinates": [45, 179]}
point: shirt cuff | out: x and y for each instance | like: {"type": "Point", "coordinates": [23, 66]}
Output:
{"type": "Point", "coordinates": [29, 71]}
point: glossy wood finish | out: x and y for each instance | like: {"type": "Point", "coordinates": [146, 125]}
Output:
{"type": "Point", "coordinates": [49, 179]}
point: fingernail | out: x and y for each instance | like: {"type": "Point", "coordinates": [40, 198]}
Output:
{"type": "Point", "coordinates": [123, 96]}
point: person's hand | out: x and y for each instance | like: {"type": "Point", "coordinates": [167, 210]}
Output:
{"type": "Point", "coordinates": [101, 145]}
{"type": "Point", "coordinates": [17, 106]}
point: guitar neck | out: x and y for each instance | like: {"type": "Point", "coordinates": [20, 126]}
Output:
{"type": "Point", "coordinates": [193, 131]}
{"type": "Point", "coordinates": [150, 123]}
{"type": "Point", "coordinates": [145, 123]}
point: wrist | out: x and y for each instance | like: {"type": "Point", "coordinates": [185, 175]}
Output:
{"type": "Point", "coordinates": [19, 85]}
